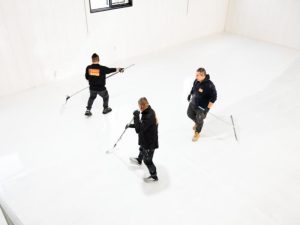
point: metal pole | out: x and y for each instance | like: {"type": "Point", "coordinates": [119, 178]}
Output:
{"type": "Point", "coordinates": [187, 7]}
{"type": "Point", "coordinates": [86, 19]}
{"type": "Point", "coordinates": [9, 216]}
{"type": "Point", "coordinates": [220, 119]}
{"type": "Point", "coordinates": [110, 150]}
{"type": "Point", "coordinates": [233, 126]}
{"type": "Point", "coordinates": [70, 96]}
{"type": "Point", "coordinates": [7, 219]}
{"type": "Point", "coordinates": [227, 123]}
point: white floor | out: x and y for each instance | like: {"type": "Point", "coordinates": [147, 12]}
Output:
{"type": "Point", "coordinates": [54, 170]}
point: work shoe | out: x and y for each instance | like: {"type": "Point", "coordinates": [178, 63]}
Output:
{"type": "Point", "coordinates": [106, 110]}
{"type": "Point", "coordinates": [88, 113]}
{"type": "Point", "coordinates": [196, 137]}
{"type": "Point", "coordinates": [135, 161]}
{"type": "Point", "coordinates": [151, 179]}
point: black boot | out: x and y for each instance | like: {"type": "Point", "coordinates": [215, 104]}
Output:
{"type": "Point", "coordinates": [88, 113]}
{"type": "Point", "coordinates": [135, 161]}
{"type": "Point", "coordinates": [106, 110]}
{"type": "Point", "coordinates": [151, 179]}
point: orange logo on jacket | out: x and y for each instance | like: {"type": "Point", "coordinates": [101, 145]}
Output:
{"type": "Point", "coordinates": [94, 72]}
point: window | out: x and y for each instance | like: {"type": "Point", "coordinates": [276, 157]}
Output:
{"type": "Point", "coordinates": [103, 5]}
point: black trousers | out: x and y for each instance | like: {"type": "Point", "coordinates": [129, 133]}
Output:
{"type": "Point", "coordinates": [146, 155]}
{"type": "Point", "coordinates": [93, 96]}
{"type": "Point", "coordinates": [197, 115]}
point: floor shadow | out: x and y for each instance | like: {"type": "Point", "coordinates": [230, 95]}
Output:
{"type": "Point", "coordinates": [157, 187]}
{"type": "Point", "coordinates": [148, 188]}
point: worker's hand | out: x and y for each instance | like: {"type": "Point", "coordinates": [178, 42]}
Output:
{"type": "Point", "coordinates": [120, 70]}
{"type": "Point", "coordinates": [129, 126]}
{"type": "Point", "coordinates": [206, 110]}
{"type": "Point", "coordinates": [136, 113]}
{"type": "Point", "coordinates": [189, 97]}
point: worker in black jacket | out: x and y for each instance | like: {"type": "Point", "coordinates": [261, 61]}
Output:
{"type": "Point", "coordinates": [146, 128]}
{"type": "Point", "coordinates": [96, 75]}
{"type": "Point", "coordinates": [201, 98]}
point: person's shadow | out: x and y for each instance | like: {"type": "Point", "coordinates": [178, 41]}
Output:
{"type": "Point", "coordinates": [155, 187]}
{"type": "Point", "coordinates": [149, 188]}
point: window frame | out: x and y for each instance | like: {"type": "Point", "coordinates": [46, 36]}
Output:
{"type": "Point", "coordinates": [111, 6]}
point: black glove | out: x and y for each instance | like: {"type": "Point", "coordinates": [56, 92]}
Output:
{"type": "Point", "coordinates": [189, 97]}
{"type": "Point", "coordinates": [129, 126]}
{"type": "Point", "coordinates": [206, 110]}
{"type": "Point", "coordinates": [121, 70]}
{"type": "Point", "coordinates": [136, 113]}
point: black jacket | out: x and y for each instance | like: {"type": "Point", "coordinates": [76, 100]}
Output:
{"type": "Point", "coordinates": [203, 92]}
{"type": "Point", "coordinates": [96, 75]}
{"type": "Point", "coordinates": [147, 129]}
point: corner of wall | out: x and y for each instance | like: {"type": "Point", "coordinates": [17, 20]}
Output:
{"type": "Point", "coordinates": [227, 15]}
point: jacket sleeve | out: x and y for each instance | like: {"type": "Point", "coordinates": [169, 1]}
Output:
{"type": "Point", "coordinates": [146, 122]}
{"type": "Point", "coordinates": [109, 70]}
{"type": "Point", "coordinates": [212, 93]}
{"type": "Point", "coordinates": [87, 73]}
{"type": "Point", "coordinates": [192, 90]}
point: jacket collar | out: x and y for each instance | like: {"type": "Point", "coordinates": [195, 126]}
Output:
{"type": "Point", "coordinates": [147, 110]}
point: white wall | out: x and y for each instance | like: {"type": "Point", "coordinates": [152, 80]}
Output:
{"type": "Point", "coordinates": [276, 21]}
{"type": "Point", "coordinates": [36, 39]}
{"type": "Point", "coordinates": [41, 40]}
{"type": "Point", "coordinates": [155, 24]}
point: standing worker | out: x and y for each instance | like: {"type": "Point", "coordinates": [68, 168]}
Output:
{"type": "Point", "coordinates": [96, 75]}
{"type": "Point", "coordinates": [147, 129]}
{"type": "Point", "coordinates": [202, 97]}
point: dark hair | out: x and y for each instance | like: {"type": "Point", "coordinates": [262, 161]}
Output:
{"type": "Point", "coordinates": [201, 70]}
{"type": "Point", "coordinates": [95, 57]}
{"type": "Point", "coordinates": [143, 101]}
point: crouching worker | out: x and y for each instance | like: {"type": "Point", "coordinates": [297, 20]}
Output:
{"type": "Point", "coordinates": [202, 97]}
{"type": "Point", "coordinates": [96, 75]}
{"type": "Point", "coordinates": [146, 128]}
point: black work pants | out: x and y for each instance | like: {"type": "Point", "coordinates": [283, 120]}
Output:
{"type": "Point", "coordinates": [93, 96]}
